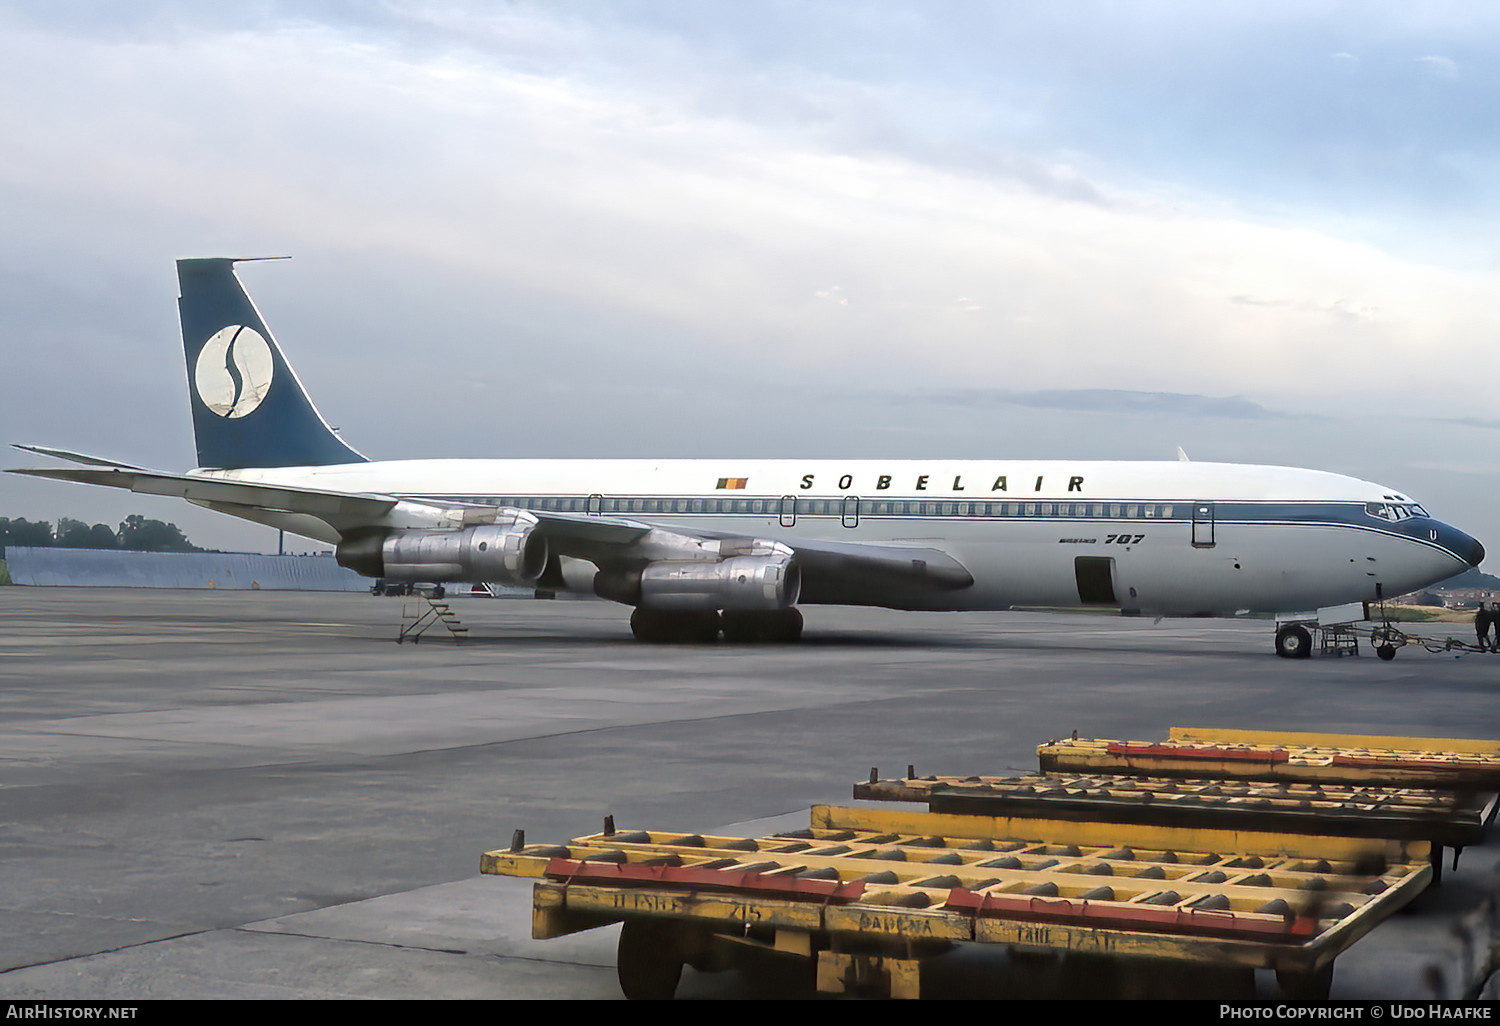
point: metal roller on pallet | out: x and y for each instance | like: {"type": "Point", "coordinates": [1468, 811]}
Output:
{"type": "Point", "coordinates": [866, 896]}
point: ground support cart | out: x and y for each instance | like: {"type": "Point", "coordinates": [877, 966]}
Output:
{"type": "Point", "coordinates": [867, 896]}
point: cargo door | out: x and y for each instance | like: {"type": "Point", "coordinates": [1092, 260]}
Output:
{"type": "Point", "coordinates": [1096, 580]}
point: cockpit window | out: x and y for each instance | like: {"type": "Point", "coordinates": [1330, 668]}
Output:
{"type": "Point", "coordinates": [1394, 512]}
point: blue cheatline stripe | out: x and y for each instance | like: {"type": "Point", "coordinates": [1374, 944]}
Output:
{"type": "Point", "coordinates": [1176, 511]}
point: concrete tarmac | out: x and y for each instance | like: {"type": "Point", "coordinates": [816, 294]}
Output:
{"type": "Point", "coordinates": [260, 795]}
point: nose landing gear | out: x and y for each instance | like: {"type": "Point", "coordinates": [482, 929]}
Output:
{"type": "Point", "coordinates": [1293, 642]}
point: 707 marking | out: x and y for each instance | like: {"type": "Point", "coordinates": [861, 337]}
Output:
{"type": "Point", "coordinates": [1123, 539]}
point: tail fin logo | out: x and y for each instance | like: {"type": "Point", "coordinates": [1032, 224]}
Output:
{"type": "Point", "coordinates": [234, 371]}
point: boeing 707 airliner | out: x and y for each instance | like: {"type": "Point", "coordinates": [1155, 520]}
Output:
{"type": "Point", "coordinates": [736, 546]}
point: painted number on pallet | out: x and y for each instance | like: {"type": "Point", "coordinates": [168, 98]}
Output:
{"type": "Point", "coordinates": [1073, 940]}
{"type": "Point", "coordinates": [878, 922]}
{"type": "Point", "coordinates": [630, 901]}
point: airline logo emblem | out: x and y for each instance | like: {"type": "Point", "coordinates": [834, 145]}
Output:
{"type": "Point", "coordinates": [234, 371]}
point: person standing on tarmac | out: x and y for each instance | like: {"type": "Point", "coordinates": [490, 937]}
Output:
{"type": "Point", "coordinates": [1482, 621]}
{"type": "Point", "coordinates": [1495, 623]}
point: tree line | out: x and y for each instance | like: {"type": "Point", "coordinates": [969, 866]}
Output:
{"type": "Point", "coordinates": [135, 534]}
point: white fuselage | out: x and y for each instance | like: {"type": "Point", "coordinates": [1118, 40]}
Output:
{"type": "Point", "coordinates": [1163, 537]}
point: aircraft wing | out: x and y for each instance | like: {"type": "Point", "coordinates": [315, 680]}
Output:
{"type": "Point", "coordinates": [844, 573]}
{"type": "Point", "coordinates": [861, 573]}
{"type": "Point", "coordinates": [868, 573]}
{"type": "Point", "coordinates": [341, 511]}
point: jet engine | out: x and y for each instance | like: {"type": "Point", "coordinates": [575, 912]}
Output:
{"type": "Point", "coordinates": [770, 581]}
{"type": "Point", "coordinates": [509, 552]}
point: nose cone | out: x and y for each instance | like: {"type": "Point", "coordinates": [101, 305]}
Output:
{"type": "Point", "coordinates": [1475, 551]}
{"type": "Point", "coordinates": [1464, 546]}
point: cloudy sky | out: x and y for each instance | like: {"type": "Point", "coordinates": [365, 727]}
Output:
{"type": "Point", "coordinates": [1264, 232]}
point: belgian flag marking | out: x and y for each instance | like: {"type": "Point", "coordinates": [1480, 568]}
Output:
{"type": "Point", "coordinates": [733, 482]}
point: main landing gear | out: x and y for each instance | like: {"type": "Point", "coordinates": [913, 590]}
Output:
{"type": "Point", "coordinates": [702, 627]}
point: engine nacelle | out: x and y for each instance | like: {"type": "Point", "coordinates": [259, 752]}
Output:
{"type": "Point", "coordinates": [506, 552]}
{"type": "Point", "coordinates": [771, 581]}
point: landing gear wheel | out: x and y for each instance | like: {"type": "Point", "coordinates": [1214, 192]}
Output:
{"type": "Point", "coordinates": [1386, 652]}
{"type": "Point", "coordinates": [790, 626]}
{"type": "Point", "coordinates": [762, 626]}
{"type": "Point", "coordinates": [1293, 642]}
{"type": "Point", "coordinates": [649, 962]}
{"type": "Point", "coordinates": [664, 626]}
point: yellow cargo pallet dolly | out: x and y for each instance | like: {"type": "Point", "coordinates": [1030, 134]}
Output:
{"type": "Point", "coordinates": [867, 895]}
{"type": "Point", "coordinates": [1440, 817]}
{"type": "Point", "coordinates": [1457, 764]}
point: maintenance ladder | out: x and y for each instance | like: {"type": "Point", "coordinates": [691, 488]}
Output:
{"type": "Point", "coordinates": [421, 612]}
{"type": "Point", "coordinates": [868, 895]}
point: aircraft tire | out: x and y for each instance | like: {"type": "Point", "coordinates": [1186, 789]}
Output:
{"type": "Point", "coordinates": [1293, 642]}
{"type": "Point", "coordinates": [1386, 652]}
{"type": "Point", "coordinates": [762, 626]}
{"type": "Point", "coordinates": [789, 626]}
{"type": "Point", "coordinates": [670, 626]}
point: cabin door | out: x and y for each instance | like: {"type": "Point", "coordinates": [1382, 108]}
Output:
{"type": "Point", "coordinates": [1203, 525]}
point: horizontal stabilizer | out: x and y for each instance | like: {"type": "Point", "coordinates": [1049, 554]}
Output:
{"type": "Point", "coordinates": [75, 457]}
{"type": "Point", "coordinates": [326, 505]}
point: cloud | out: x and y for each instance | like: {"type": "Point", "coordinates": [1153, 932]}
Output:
{"type": "Point", "coordinates": [1442, 67]}
{"type": "Point", "coordinates": [561, 211]}
{"type": "Point", "coordinates": [610, 200]}
{"type": "Point", "coordinates": [1102, 400]}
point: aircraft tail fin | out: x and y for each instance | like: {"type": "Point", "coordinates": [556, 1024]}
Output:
{"type": "Point", "coordinates": [249, 408]}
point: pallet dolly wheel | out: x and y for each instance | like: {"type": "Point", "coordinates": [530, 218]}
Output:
{"type": "Point", "coordinates": [1305, 984]}
{"type": "Point", "coordinates": [650, 959]}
